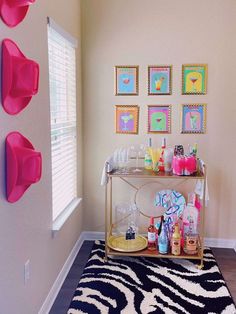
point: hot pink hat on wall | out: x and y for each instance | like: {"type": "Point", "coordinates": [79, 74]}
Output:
{"type": "Point", "coordinates": [23, 165]}
{"type": "Point", "coordinates": [20, 78]}
{"type": "Point", "coordinates": [14, 11]}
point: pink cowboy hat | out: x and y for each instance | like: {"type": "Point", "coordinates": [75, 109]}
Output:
{"type": "Point", "coordinates": [14, 11]}
{"type": "Point", "coordinates": [23, 165]}
{"type": "Point", "coordinates": [20, 78]}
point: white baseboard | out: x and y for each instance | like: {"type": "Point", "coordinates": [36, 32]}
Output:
{"type": "Point", "coordinates": [221, 243]}
{"type": "Point", "coordinates": [61, 277]}
{"type": "Point", "coordinates": [92, 236]}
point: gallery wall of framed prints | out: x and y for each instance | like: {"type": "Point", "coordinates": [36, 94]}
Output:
{"type": "Point", "coordinates": [159, 83]}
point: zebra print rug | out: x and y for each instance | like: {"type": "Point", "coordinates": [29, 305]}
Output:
{"type": "Point", "coordinates": [130, 285]}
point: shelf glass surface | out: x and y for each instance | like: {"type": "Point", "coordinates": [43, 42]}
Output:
{"type": "Point", "coordinates": [144, 173]}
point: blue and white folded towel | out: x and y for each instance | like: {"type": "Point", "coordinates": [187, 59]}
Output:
{"type": "Point", "coordinates": [108, 167]}
{"type": "Point", "coordinates": [199, 188]}
{"type": "Point", "coordinates": [119, 156]}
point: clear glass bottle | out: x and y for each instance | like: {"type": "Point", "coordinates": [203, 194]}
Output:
{"type": "Point", "coordinates": [163, 241]}
{"type": "Point", "coordinates": [168, 157]}
{"type": "Point", "coordinates": [190, 241]}
{"type": "Point", "coordinates": [147, 157]}
{"type": "Point", "coordinates": [190, 213]}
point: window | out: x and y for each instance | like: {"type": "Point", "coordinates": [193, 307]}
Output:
{"type": "Point", "coordinates": [62, 80]}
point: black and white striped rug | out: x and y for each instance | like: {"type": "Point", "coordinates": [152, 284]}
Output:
{"type": "Point", "coordinates": [129, 285]}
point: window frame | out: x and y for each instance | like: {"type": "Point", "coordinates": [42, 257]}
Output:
{"type": "Point", "coordinates": [64, 214]}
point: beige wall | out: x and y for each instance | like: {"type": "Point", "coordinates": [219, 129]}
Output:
{"type": "Point", "coordinates": [25, 226]}
{"type": "Point", "coordinates": [114, 33]}
{"type": "Point", "coordinates": [138, 32]}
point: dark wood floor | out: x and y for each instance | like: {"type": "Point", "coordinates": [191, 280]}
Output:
{"type": "Point", "coordinates": [226, 259]}
{"type": "Point", "coordinates": [66, 293]}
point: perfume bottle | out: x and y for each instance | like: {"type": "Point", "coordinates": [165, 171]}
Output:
{"type": "Point", "coordinates": [152, 235]}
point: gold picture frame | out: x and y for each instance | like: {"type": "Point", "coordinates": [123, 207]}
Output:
{"type": "Point", "coordinates": [127, 119]}
{"type": "Point", "coordinates": [126, 80]}
{"type": "Point", "coordinates": [194, 79]}
{"type": "Point", "coordinates": [159, 119]}
{"type": "Point", "coordinates": [159, 79]}
{"type": "Point", "coordinates": [193, 118]}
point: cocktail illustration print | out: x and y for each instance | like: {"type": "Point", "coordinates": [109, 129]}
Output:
{"type": "Point", "coordinates": [126, 118]}
{"type": "Point", "coordinates": [193, 79]}
{"type": "Point", "coordinates": [193, 121]}
{"type": "Point", "coordinates": [159, 80]}
{"type": "Point", "coordinates": [126, 83]}
{"type": "Point", "coordinates": [158, 83]}
{"type": "Point", "coordinates": [193, 118]}
{"type": "Point", "coordinates": [158, 121]}
{"type": "Point", "coordinates": [126, 80]}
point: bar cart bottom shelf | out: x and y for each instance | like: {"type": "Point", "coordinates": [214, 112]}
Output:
{"type": "Point", "coordinates": [155, 254]}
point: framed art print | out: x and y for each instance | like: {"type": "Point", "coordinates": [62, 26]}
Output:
{"type": "Point", "coordinates": [126, 80]}
{"type": "Point", "coordinates": [159, 80]}
{"type": "Point", "coordinates": [194, 79]}
{"type": "Point", "coordinates": [159, 119]}
{"type": "Point", "coordinates": [193, 118]}
{"type": "Point", "coordinates": [127, 119]}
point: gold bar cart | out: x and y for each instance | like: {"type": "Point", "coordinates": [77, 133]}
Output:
{"type": "Point", "coordinates": [157, 177]}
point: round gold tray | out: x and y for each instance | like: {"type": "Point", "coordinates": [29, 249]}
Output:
{"type": "Point", "coordinates": [119, 243]}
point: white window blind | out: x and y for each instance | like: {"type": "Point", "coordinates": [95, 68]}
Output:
{"type": "Point", "coordinates": [62, 79]}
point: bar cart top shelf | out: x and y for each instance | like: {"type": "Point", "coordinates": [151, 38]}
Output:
{"type": "Point", "coordinates": [144, 173]}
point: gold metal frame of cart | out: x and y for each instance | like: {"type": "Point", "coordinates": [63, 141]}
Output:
{"type": "Point", "coordinates": [148, 174]}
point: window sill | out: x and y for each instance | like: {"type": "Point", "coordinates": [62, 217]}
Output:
{"type": "Point", "coordinates": [62, 218]}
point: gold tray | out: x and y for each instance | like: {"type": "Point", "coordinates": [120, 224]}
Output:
{"type": "Point", "coordinates": [119, 243]}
